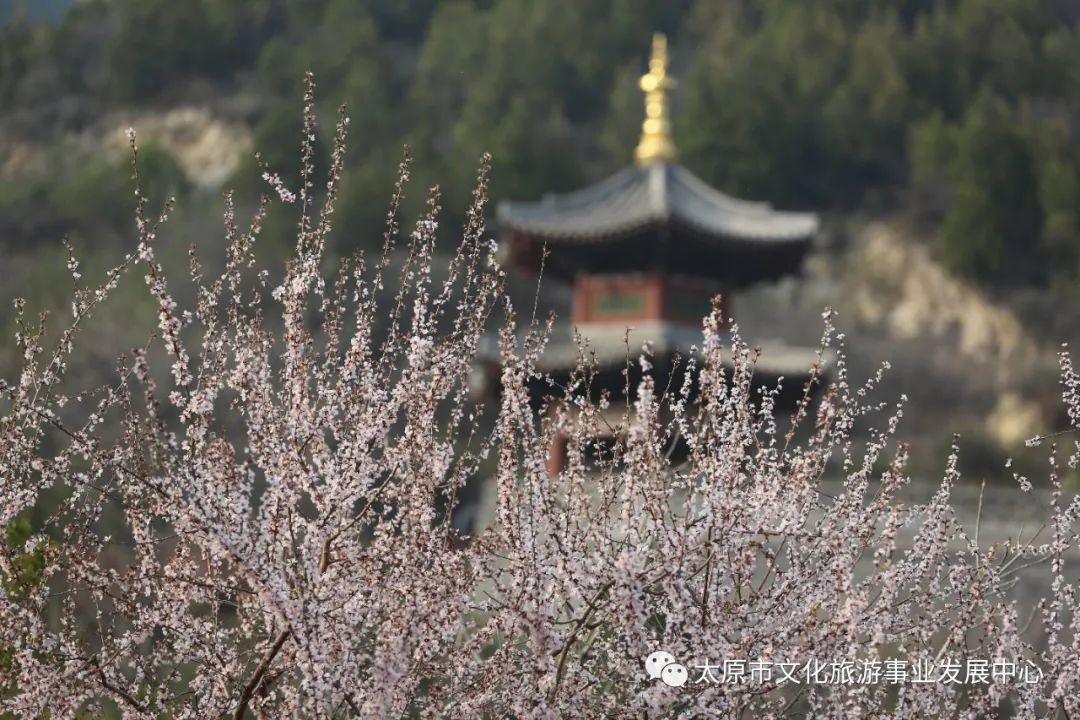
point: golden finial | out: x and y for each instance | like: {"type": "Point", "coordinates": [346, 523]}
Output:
{"type": "Point", "coordinates": [656, 144]}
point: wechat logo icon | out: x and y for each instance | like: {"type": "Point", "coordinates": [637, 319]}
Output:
{"type": "Point", "coordinates": [663, 666]}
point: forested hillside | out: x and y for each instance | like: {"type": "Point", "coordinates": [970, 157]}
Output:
{"type": "Point", "coordinates": [963, 112]}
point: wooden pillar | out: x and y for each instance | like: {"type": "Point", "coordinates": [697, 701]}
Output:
{"type": "Point", "coordinates": [556, 459]}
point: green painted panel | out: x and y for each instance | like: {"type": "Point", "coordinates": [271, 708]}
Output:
{"type": "Point", "coordinates": [620, 303]}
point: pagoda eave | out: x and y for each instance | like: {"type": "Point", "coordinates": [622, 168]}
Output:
{"type": "Point", "coordinates": [658, 216]}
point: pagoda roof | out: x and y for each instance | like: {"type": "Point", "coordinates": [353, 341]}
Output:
{"type": "Point", "coordinates": [655, 195]}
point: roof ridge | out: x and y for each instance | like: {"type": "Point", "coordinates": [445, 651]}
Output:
{"type": "Point", "coordinates": [659, 191]}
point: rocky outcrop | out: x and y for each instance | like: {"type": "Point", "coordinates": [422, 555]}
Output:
{"type": "Point", "coordinates": [967, 361]}
{"type": "Point", "coordinates": [892, 282]}
{"type": "Point", "coordinates": [207, 146]}
{"type": "Point", "coordinates": [207, 149]}
{"type": "Point", "coordinates": [894, 285]}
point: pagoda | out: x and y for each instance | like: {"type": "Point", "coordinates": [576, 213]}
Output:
{"type": "Point", "coordinates": [649, 248]}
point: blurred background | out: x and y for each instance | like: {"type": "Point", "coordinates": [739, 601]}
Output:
{"type": "Point", "coordinates": [937, 138]}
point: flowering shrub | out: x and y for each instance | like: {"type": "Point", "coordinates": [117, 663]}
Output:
{"type": "Point", "coordinates": [288, 551]}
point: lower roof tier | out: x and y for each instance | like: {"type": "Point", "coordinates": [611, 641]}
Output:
{"type": "Point", "coordinates": [609, 350]}
{"type": "Point", "coordinates": [611, 346]}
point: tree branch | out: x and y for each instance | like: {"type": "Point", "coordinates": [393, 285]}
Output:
{"type": "Point", "coordinates": [117, 690]}
{"type": "Point", "coordinates": [256, 678]}
{"type": "Point", "coordinates": [573, 636]}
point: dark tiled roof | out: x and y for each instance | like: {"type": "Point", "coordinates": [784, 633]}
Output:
{"type": "Point", "coordinates": [653, 194]}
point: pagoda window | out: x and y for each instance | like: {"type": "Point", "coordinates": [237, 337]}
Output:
{"type": "Point", "coordinates": [619, 304]}
{"type": "Point", "coordinates": [617, 298]}
{"type": "Point", "coordinates": [626, 298]}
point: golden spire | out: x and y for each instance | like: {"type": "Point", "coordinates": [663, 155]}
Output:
{"type": "Point", "coordinates": [656, 144]}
